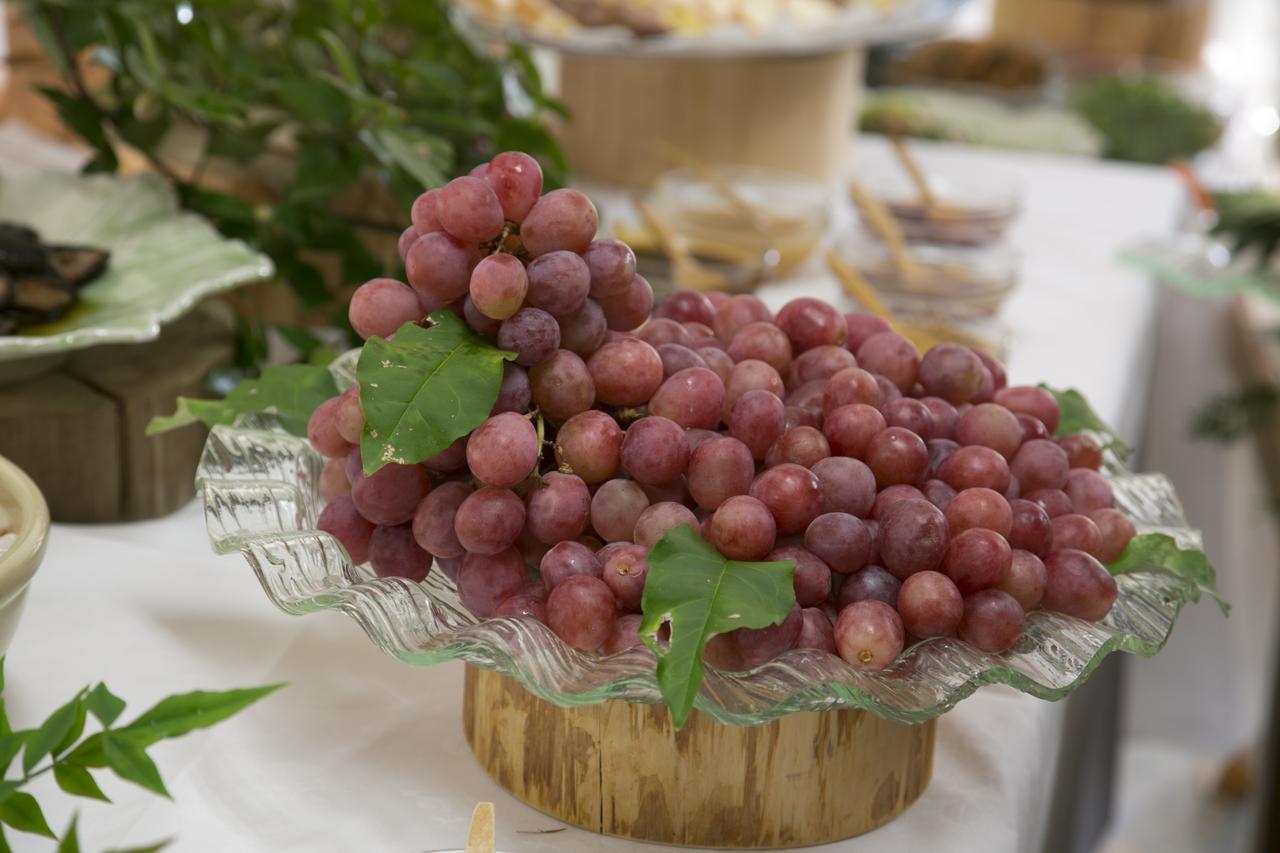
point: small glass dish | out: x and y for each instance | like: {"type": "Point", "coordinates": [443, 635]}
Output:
{"type": "Point", "coordinates": [970, 208]}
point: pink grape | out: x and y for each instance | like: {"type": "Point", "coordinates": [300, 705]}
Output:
{"type": "Point", "coordinates": [1032, 529]}
{"type": "Point", "coordinates": [739, 311]}
{"type": "Point", "coordinates": [487, 580]}
{"type": "Point", "coordinates": [977, 559]}
{"type": "Point", "coordinates": [849, 429]}
{"type": "Point", "coordinates": [692, 398]}
{"type": "Point", "coordinates": [993, 620]}
{"type": "Point", "coordinates": [581, 611]}
{"type": "Point", "coordinates": [498, 286]}
{"type": "Point", "coordinates": [742, 528]}
{"type": "Point", "coordinates": [589, 444]}
{"type": "Point", "coordinates": [811, 578]}
{"type": "Point", "coordinates": [870, 583]}
{"type": "Point", "coordinates": [626, 372]}
{"type": "Point", "coordinates": [1116, 530]}
{"type": "Point", "coordinates": [848, 386]}
{"type": "Point", "coordinates": [503, 450]}
{"type": "Point", "coordinates": [991, 426]}
{"type": "Point", "coordinates": [514, 395]}
{"type": "Point", "coordinates": [468, 210]}
{"type": "Point", "coordinates": [840, 540]}
{"type": "Point", "coordinates": [565, 560]}
{"type": "Point", "coordinates": [760, 645]}
{"type": "Point", "coordinates": [676, 357]}
{"type": "Point", "coordinates": [407, 237]}
{"type": "Point", "coordinates": [819, 363]}
{"type": "Point", "coordinates": [558, 509]}
{"type": "Point", "coordinates": [895, 494]}
{"type": "Point", "coordinates": [811, 323]}
{"type": "Point", "coordinates": [1078, 585]}
{"type": "Point", "coordinates": [659, 518]}
{"type": "Point", "coordinates": [341, 520]}
{"type": "Point", "coordinates": [584, 330]}
{"type": "Point", "coordinates": [1031, 428]}
{"type": "Point", "coordinates": [438, 268]}
{"type": "Point", "coordinates": [489, 520]}
{"type": "Point", "coordinates": [1072, 530]}
{"type": "Point", "coordinates": [892, 356]}
{"type": "Point", "coordinates": [394, 554]}
{"type": "Point", "coordinates": [792, 494]}
{"type": "Point", "coordinates": [951, 372]}
{"type": "Point", "coordinates": [615, 508]}
{"type": "Point", "coordinates": [888, 391]}
{"type": "Point", "coordinates": [532, 334]}
{"type": "Point", "coordinates": [523, 604]}
{"type": "Point", "coordinates": [945, 417]}
{"type": "Point", "coordinates": [720, 468]}
{"type": "Point", "coordinates": [803, 445]}
{"type": "Point", "coordinates": [1026, 580]}
{"type": "Point", "coordinates": [847, 485]}
{"type": "Point", "coordinates": [816, 632]}
{"type": "Point", "coordinates": [750, 375]}
{"type": "Point", "coordinates": [333, 480]}
{"type": "Point", "coordinates": [660, 330]}
{"type": "Point", "coordinates": [1082, 451]}
{"type": "Point", "coordinates": [348, 416]}
{"type": "Point", "coordinates": [562, 386]}
{"type": "Point", "coordinates": [869, 635]}
{"type": "Point", "coordinates": [1030, 400]}
{"type": "Point", "coordinates": [763, 342]}
{"type": "Point", "coordinates": [381, 306]}
{"type": "Point", "coordinates": [1054, 501]}
{"type": "Point", "coordinates": [896, 455]}
{"type": "Point", "coordinates": [423, 212]}
{"type": "Point", "coordinates": [756, 420]}
{"type": "Point", "coordinates": [516, 181]}
{"type": "Point", "coordinates": [999, 378]}
{"type": "Point", "coordinates": [391, 494]}
{"type": "Point", "coordinates": [433, 520]}
{"type": "Point", "coordinates": [479, 323]}
{"type": "Point", "coordinates": [912, 538]}
{"type": "Point", "coordinates": [860, 326]}
{"type": "Point", "coordinates": [322, 430]}
{"type": "Point", "coordinates": [1088, 490]}
{"type": "Point", "coordinates": [909, 414]}
{"type": "Point", "coordinates": [558, 283]}
{"type": "Point", "coordinates": [654, 450]}
{"type": "Point", "coordinates": [930, 605]}
{"type": "Point", "coordinates": [562, 219]}
{"type": "Point", "coordinates": [624, 634]}
{"type": "Point", "coordinates": [630, 309]}
{"type": "Point", "coordinates": [974, 467]}
{"type": "Point", "coordinates": [687, 306]}
{"type": "Point", "coordinates": [979, 508]}
{"type": "Point", "coordinates": [718, 362]}
{"type": "Point", "coordinates": [625, 572]}
{"type": "Point", "coordinates": [612, 266]}
{"type": "Point", "coordinates": [1040, 464]}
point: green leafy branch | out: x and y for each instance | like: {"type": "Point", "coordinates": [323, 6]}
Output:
{"type": "Point", "coordinates": [60, 743]}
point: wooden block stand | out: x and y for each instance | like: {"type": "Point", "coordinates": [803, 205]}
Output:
{"type": "Point", "coordinates": [1171, 31]}
{"type": "Point", "coordinates": [619, 768]}
{"type": "Point", "coordinates": [78, 430]}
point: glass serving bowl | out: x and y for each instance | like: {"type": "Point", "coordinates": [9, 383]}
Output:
{"type": "Point", "coordinates": [973, 208]}
{"type": "Point", "coordinates": [261, 494]}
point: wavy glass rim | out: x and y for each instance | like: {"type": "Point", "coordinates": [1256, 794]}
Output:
{"type": "Point", "coordinates": [261, 495]}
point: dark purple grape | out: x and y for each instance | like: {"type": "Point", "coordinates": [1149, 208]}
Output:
{"type": "Point", "coordinates": [870, 583]}
{"type": "Point", "coordinates": [840, 540]}
{"type": "Point", "coordinates": [993, 620]}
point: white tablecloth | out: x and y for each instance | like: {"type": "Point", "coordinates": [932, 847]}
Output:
{"type": "Point", "coordinates": [361, 752]}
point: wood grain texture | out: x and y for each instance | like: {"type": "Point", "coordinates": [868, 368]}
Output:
{"type": "Point", "coordinates": [620, 769]}
{"type": "Point", "coordinates": [790, 113]}
{"type": "Point", "coordinates": [1169, 31]}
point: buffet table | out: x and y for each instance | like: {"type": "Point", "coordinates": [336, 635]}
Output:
{"type": "Point", "coordinates": [361, 752]}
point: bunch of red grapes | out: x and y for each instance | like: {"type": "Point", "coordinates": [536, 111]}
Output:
{"type": "Point", "coordinates": [917, 495]}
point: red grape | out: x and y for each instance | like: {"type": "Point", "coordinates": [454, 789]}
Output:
{"type": "Point", "coordinates": [566, 559]}
{"type": "Point", "coordinates": [849, 429]}
{"type": "Point", "coordinates": [811, 323]}
{"type": "Point", "coordinates": [1026, 580]}
{"type": "Point", "coordinates": [977, 559]}
{"type": "Point", "coordinates": [840, 540]}
{"type": "Point", "coordinates": [558, 509]}
{"type": "Point", "coordinates": [1030, 400]}
{"type": "Point", "coordinates": [979, 508]}
{"type": "Point", "coordinates": [912, 538]}
{"type": "Point", "coordinates": [503, 450]}
{"type": "Point", "coordinates": [719, 469]}
{"type": "Point", "coordinates": [343, 522]}
{"type": "Point", "coordinates": [694, 397]}
{"type": "Point", "coordinates": [561, 219]}
{"type": "Point", "coordinates": [930, 605]}
{"type": "Point", "coordinates": [993, 620]}
{"type": "Point", "coordinates": [1078, 585]}
{"type": "Point", "coordinates": [742, 528]}
{"type": "Point", "coordinates": [893, 357]}
{"type": "Point", "coordinates": [516, 181]}
{"type": "Point", "coordinates": [487, 580]}
{"type": "Point", "coordinates": [869, 635]}
{"type": "Point", "coordinates": [615, 508]}
{"type": "Point", "coordinates": [581, 611]}
{"type": "Point", "coordinates": [654, 450]}
{"type": "Point", "coordinates": [1116, 530]}
{"type": "Point", "coordinates": [381, 306]}
{"type": "Point", "coordinates": [589, 444]}
{"type": "Point", "coordinates": [792, 494]}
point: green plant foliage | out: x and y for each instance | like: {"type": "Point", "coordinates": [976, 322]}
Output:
{"type": "Point", "coordinates": [1251, 220]}
{"type": "Point", "coordinates": [1160, 551]}
{"type": "Point", "coordinates": [291, 393]}
{"type": "Point", "coordinates": [1145, 119]}
{"type": "Point", "coordinates": [1076, 415]}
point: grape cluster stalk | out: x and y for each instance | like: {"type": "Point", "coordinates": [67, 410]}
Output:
{"type": "Point", "coordinates": [917, 495]}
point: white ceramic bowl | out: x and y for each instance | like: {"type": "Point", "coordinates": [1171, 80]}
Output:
{"type": "Point", "coordinates": [26, 515]}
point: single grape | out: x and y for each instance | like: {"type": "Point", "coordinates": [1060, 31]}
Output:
{"type": "Point", "coordinates": [1032, 529]}
{"type": "Point", "coordinates": [659, 331]}
{"type": "Point", "coordinates": [762, 341]}
{"type": "Point", "coordinates": [676, 357]}
{"type": "Point", "coordinates": [1031, 428]}
{"type": "Point", "coordinates": [993, 620]}
{"type": "Point", "coordinates": [951, 372]}
{"type": "Point", "coordinates": [381, 306]}
{"type": "Point", "coordinates": [615, 508]}
{"type": "Point", "coordinates": [816, 631]}
{"type": "Point", "coordinates": [990, 425]}
{"type": "Point", "coordinates": [503, 450]}
{"type": "Point", "coordinates": [840, 540]}
{"type": "Point", "coordinates": [1082, 451]}
{"type": "Point", "coordinates": [581, 611]}
{"type": "Point", "coordinates": [515, 394]}
{"type": "Point", "coordinates": [393, 553]}
{"type": "Point", "coordinates": [333, 480]}
{"type": "Point", "coordinates": [624, 634]}
{"type": "Point", "coordinates": [348, 416]}
{"type": "Point", "coordinates": [999, 378]}
{"type": "Point", "coordinates": [423, 212]}
{"type": "Point", "coordinates": [860, 326]}
{"type": "Point", "coordinates": [977, 559]}
{"type": "Point", "coordinates": [693, 398]}
{"type": "Point", "coordinates": [760, 645]}
{"type": "Point", "coordinates": [479, 323]}
{"type": "Point", "coordinates": [869, 635]}
{"type": "Point", "coordinates": [811, 323]}
{"type": "Point", "coordinates": [819, 363]}
{"type": "Point", "coordinates": [625, 572]}
{"type": "Point", "coordinates": [322, 430]}
{"type": "Point", "coordinates": [532, 334]}
{"type": "Point", "coordinates": [654, 450]}
{"type": "Point", "coordinates": [803, 445]}
{"type": "Point", "coordinates": [468, 210]}
{"type": "Point", "coordinates": [945, 417]}
{"type": "Point", "coordinates": [562, 219]}
{"type": "Point", "coordinates": [589, 444]}
{"type": "Point", "coordinates": [612, 265]}
{"type": "Point", "coordinates": [750, 375]}
{"type": "Point", "coordinates": [498, 286]}
{"type": "Point", "coordinates": [438, 267]}
{"type": "Point", "coordinates": [888, 391]}
{"type": "Point", "coordinates": [938, 493]}
{"type": "Point", "coordinates": [1116, 530]}
{"type": "Point", "coordinates": [848, 386]}
{"type": "Point", "coordinates": [558, 509]}
{"type": "Point", "coordinates": [631, 308]}
{"type": "Point", "coordinates": [523, 604]}
{"type": "Point", "coordinates": [849, 429]}
{"type": "Point", "coordinates": [1088, 490]}
{"type": "Point", "coordinates": [487, 580]}
{"type": "Point", "coordinates": [489, 520]}
{"type": "Point", "coordinates": [687, 306]}
{"type": "Point", "coordinates": [1030, 400]}
{"type": "Point", "coordinates": [341, 520]}
{"type": "Point", "coordinates": [871, 583]}
{"type": "Point", "coordinates": [1053, 501]}
{"type": "Point", "coordinates": [847, 485]}
{"type": "Point", "coordinates": [407, 238]}
{"type": "Point", "coordinates": [584, 330]}
{"type": "Point", "coordinates": [892, 356]}
{"type": "Point", "coordinates": [1078, 532]}
{"type": "Point", "coordinates": [1078, 585]}
{"type": "Point", "coordinates": [739, 311]}
{"type": "Point", "coordinates": [391, 494]}
{"type": "Point", "coordinates": [930, 605]}
{"type": "Point", "coordinates": [979, 508]}
{"type": "Point", "coordinates": [792, 494]}
{"type": "Point", "coordinates": [626, 372]}
{"type": "Point", "coordinates": [516, 181]}
{"type": "Point", "coordinates": [1026, 580]}
{"type": "Point", "coordinates": [742, 528]}
{"type": "Point", "coordinates": [974, 467]}
{"type": "Point", "coordinates": [433, 520]}
{"type": "Point", "coordinates": [719, 468]}
{"type": "Point", "coordinates": [1040, 464]}
{"type": "Point", "coordinates": [896, 455]}
{"type": "Point", "coordinates": [452, 458]}
{"type": "Point", "coordinates": [562, 386]}
{"type": "Point", "coordinates": [893, 495]}
{"type": "Point", "coordinates": [912, 538]}
{"type": "Point", "coordinates": [756, 420]}
{"type": "Point", "coordinates": [811, 579]}
{"type": "Point", "coordinates": [718, 362]}
{"type": "Point", "coordinates": [659, 518]}
{"type": "Point", "coordinates": [566, 559]}
{"type": "Point", "coordinates": [909, 414]}
{"type": "Point", "coordinates": [558, 283]}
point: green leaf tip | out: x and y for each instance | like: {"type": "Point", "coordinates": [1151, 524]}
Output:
{"type": "Point", "coordinates": [186, 712]}
{"type": "Point", "coordinates": [701, 593]}
{"type": "Point", "coordinates": [291, 393]}
{"type": "Point", "coordinates": [1076, 415]}
{"type": "Point", "coordinates": [1161, 551]}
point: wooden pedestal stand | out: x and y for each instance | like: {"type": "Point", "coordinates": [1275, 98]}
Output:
{"type": "Point", "coordinates": [791, 113]}
{"type": "Point", "coordinates": [1172, 31]}
{"type": "Point", "coordinates": [77, 430]}
{"type": "Point", "coordinates": [619, 768]}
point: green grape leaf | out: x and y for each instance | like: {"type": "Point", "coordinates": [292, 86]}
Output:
{"type": "Point", "coordinates": [72, 735]}
{"type": "Point", "coordinates": [10, 744]}
{"type": "Point", "coordinates": [21, 811]}
{"type": "Point", "coordinates": [291, 393]}
{"type": "Point", "coordinates": [104, 704]}
{"type": "Point", "coordinates": [701, 594]}
{"type": "Point", "coordinates": [185, 712]}
{"type": "Point", "coordinates": [1160, 551]}
{"type": "Point", "coordinates": [88, 753]}
{"type": "Point", "coordinates": [1078, 416]}
{"type": "Point", "coordinates": [425, 388]}
{"type": "Point", "coordinates": [128, 760]}
{"type": "Point", "coordinates": [71, 838]}
{"type": "Point", "coordinates": [52, 732]}
{"type": "Point", "coordinates": [77, 780]}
